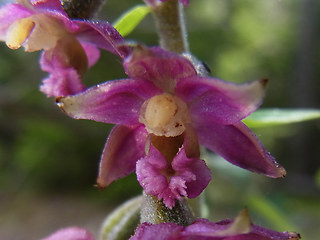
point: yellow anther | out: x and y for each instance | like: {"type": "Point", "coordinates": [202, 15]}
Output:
{"type": "Point", "coordinates": [18, 32]}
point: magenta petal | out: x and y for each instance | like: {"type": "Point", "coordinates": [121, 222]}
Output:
{"type": "Point", "coordinates": [92, 52]}
{"type": "Point", "coordinates": [238, 145]}
{"type": "Point", "coordinates": [197, 167]}
{"type": "Point", "coordinates": [50, 5]}
{"type": "Point", "coordinates": [149, 170]}
{"type": "Point", "coordinates": [62, 80]}
{"type": "Point", "coordinates": [161, 67]}
{"type": "Point", "coordinates": [187, 177]}
{"type": "Point", "coordinates": [102, 35]}
{"type": "Point", "coordinates": [162, 231]}
{"type": "Point", "coordinates": [71, 233]}
{"type": "Point", "coordinates": [219, 101]}
{"type": "Point", "coordinates": [125, 145]}
{"type": "Point", "coordinates": [9, 14]}
{"type": "Point", "coordinates": [117, 101]}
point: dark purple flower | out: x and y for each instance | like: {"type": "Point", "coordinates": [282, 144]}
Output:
{"type": "Point", "coordinates": [71, 233]}
{"type": "Point", "coordinates": [70, 46]}
{"type": "Point", "coordinates": [165, 97]}
{"type": "Point", "coordinates": [240, 228]}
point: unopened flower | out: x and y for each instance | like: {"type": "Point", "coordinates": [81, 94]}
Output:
{"type": "Point", "coordinates": [70, 46]}
{"type": "Point", "coordinates": [164, 99]}
{"type": "Point", "coordinates": [239, 228]}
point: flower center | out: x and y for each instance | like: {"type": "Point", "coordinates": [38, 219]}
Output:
{"type": "Point", "coordinates": [164, 115]}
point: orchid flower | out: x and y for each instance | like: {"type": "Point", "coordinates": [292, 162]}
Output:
{"type": "Point", "coordinates": [70, 46]}
{"type": "Point", "coordinates": [165, 105]}
{"type": "Point", "coordinates": [239, 228]}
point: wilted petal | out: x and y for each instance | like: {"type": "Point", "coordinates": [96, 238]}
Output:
{"type": "Point", "coordinates": [116, 101]}
{"type": "Point", "coordinates": [125, 145]}
{"type": "Point", "coordinates": [161, 67]}
{"type": "Point", "coordinates": [71, 233]}
{"type": "Point", "coordinates": [238, 145]}
{"type": "Point", "coordinates": [9, 14]}
{"type": "Point", "coordinates": [219, 101]}
{"type": "Point", "coordinates": [62, 80]}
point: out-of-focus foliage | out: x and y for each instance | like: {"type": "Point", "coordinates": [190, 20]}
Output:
{"type": "Point", "coordinates": [44, 152]}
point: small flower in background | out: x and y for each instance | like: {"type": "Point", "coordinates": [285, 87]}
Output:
{"type": "Point", "coordinates": [239, 228]}
{"type": "Point", "coordinates": [166, 99]}
{"type": "Point", "coordinates": [71, 233]}
{"type": "Point", "coordinates": [70, 46]}
{"type": "Point", "coordinates": [154, 2]}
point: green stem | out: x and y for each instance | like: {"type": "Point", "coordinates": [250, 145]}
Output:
{"type": "Point", "coordinates": [154, 211]}
{"type": "Point", "coordinates": [171, 26]}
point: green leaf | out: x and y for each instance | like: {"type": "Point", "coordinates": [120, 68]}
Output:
{"type": "Point", "coordinates": [122, 222]}
{"type": "Point", "coordinates": [274, 117]}
{"type": "Point", "coordinates": [128, 21]}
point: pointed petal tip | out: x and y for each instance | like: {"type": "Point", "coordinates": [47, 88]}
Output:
{"type": "Point", "coordinates": [281, 172]}
{"type": "Point", "coordinates": [58, 101]}
{"type": "Point", "coordinates": [101, 185]}
{"type": "Point", "coordinates": [264, 82]}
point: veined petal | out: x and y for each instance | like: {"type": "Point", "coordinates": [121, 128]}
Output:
{"type": "Point", "coordinates": [238, 145]}
{"type": "Point", "coordinates": [102, 35]}
{"type": "Point", "coordinates": [9, 14]}
{"type": "Point", "coordinates": [71, 233]}
{"type": "Point", "coordinates": [162, 67]}
{"type": "Point", "coordinates": [125, 145]}
{"type": "Point", "coordinates": [117, 101]}
{"type": "Point", "coordinates": [219, 101]}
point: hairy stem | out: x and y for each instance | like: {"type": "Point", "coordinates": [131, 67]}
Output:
{"type": "Point", "coordinates": [170, 26]}
{"type": "Point", "coordinates": [154, 211]}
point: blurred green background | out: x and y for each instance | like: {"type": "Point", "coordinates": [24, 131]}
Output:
{"type": "Point", "coordinates": [49, 162]}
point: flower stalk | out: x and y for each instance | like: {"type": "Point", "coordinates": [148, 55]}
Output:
{"type": "Point", "coordinates": [155, 212]}
{"type": "Point", "coordinates": [171, 26]}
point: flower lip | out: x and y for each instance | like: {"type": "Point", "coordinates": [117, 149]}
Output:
{"type": "Point", "coordinates": [164, 115]}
